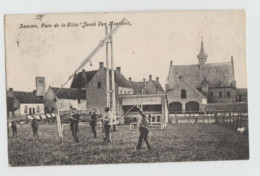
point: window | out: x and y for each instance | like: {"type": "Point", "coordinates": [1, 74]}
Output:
{"type": "Point", "coordinates": [183, 93]}
{"type": "Point", "coordinates": [25, 109]}
{"type": "Point", "coordinates": [37, 109]}
{"type": "Point", "coordinates": [98, 84]}
{"type": "Point", "coordinates": [40, 81]}
{"type": "Point", "coordinates": [143, 91]}
{"type": "Point", "coordinates": [220, 94]}
{"type": "Point", "coordinates": [211, 94]}
{"type": "Point", "coordinates": [228, 94]}
{"type": "Point", "coordinates": [78, 101]}
{"type": "Point", "coordinates": [158, 119]}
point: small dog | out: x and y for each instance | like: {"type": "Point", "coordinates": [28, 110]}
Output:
{"type": "Point", "coordinates": [241, 130]}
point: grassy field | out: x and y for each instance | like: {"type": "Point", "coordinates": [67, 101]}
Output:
{"type": "Point", "coordinates": [182, 142]}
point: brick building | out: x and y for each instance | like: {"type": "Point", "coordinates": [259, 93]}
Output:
{"type": "Point", "coordinates": [128, 93]}
{"type": "Point", "coordinates": [191, 87]}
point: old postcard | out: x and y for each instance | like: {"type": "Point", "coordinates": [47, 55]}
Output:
{"type": "Point", "coordinates": [133, 87]}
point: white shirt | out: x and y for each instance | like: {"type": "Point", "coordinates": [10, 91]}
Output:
{"type": "Point", "coordinates": [108, 118]}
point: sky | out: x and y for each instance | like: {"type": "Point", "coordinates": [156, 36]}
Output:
{"type": "Point", "coordinates": [144, 46]}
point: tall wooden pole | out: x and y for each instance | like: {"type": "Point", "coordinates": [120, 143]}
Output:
{"type": "Point", "coordinates": [58, 119]}
{"type": "Point", "coordinates": [107, 73]}
{"type": "Point", "coordinates": [113, 75]}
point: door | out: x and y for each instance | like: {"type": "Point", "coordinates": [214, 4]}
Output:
{"type": "Point", "coordinates": [192, 106]}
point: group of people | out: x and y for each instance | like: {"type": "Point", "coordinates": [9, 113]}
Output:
{"type": "Point", "coordinates": [34, 126]}
{"type": "Point", "coordinates": [108, 124]}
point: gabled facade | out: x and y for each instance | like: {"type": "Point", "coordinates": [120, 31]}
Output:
{"type": "Point", "coordinates": [215, 81]}
{"type": "Point", "coordinates": [184, 98]}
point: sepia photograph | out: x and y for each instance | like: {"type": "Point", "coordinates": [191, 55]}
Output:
{"type": "Point", "coordinates": [126, 87]}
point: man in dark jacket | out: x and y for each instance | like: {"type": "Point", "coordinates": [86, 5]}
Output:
{"type": "Point", "coordinates": [74, 125]}
{"type": "Point", "coordinates": [143, 128]}
{"type": "Point", "coordinates": [93, 122]}
{"type": "Point", "coordinates": [35, 127]}
{"type": "Point", "coordinates": [14, 128]}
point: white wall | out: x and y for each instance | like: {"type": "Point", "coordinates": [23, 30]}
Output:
{"type": "Point", "coordinates": [64, 104]}
{"type": "Point", "coordinates": [40, 106]}
{"type": "Point", "coordinates": [141, 100]}
{"type": "Point", "coordinates": [124, 91]}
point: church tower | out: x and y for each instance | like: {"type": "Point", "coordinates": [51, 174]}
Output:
{"type": "Point", "coordinates": [202, 56]}
{"type": "Point", "coordinates": [40, 86]}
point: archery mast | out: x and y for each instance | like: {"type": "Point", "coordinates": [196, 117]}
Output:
{"type": "Point", "coordinates": [86, 61]}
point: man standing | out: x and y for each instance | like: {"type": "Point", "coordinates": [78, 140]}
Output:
{"type": "Point", "coordinates": [74, 125]}
{"type": "Point", "coordinates": [93, 122]}
{"type": "Point", "coordinates": [14, 128]}
{"type": "Point", "coordinates": [143, 128]}
{"type": "Point", "coordinates": [108, 122]}
{"type": "Point", "coordinates": [35, 127]}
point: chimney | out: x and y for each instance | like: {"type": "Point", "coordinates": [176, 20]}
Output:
{"type": "Point", "coordinates": [150, 77]}
{"type": "Point", "coordinates": [232, 63]}
{"type": "Point", "coordinates": [157, 79]}
{"type": "Point", "coordinates": [144, 82]}
{"type": "Point", "coordinates": [34, 92]}
{"type": "Point", "coordinates": [118, 69]}
{"type": "Point", "coordinates": [11, 90]}
{"type": "Point", "coordinates": [83, 76]}
{"type": "Point", "coordinates": [130, 79]}
{"type": "Point", "coordinates": [101, 64]}
{"type": "Point", "coordinates": [171, 63]}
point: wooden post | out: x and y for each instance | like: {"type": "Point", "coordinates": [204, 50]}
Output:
{"type": "Point", "coordinates": [58, 119]}
{"type": "Point", "coordinates": [113, 75]}
{"type": "Point", "coordinates": [107, 72]}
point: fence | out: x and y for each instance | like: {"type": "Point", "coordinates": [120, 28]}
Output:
{"type": "Point", "coordinates": [233, 120]}
{"type": "Point", "coordinates": [152, 126]}
{"type": "Point", "coordinates": [191, 117]}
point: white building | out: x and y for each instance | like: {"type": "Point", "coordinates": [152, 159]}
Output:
{"type": "Point", "coordinates": [65, 98]}
{"type": "Point", "coordinates": [21, 103]}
